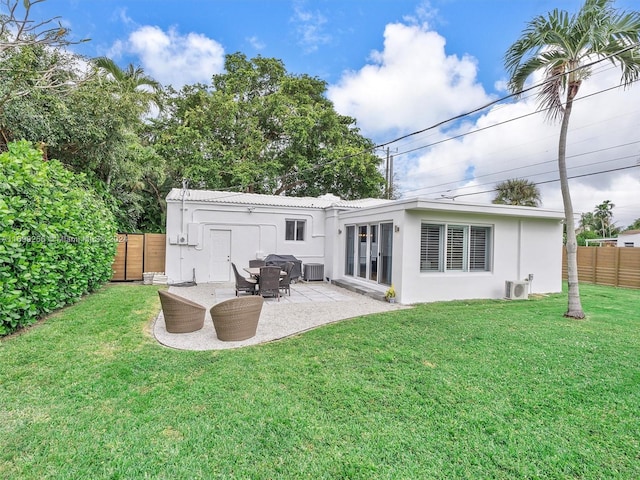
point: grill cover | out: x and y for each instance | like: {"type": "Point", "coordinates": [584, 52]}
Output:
{"type": "Point", "coordinates": [280, 260]}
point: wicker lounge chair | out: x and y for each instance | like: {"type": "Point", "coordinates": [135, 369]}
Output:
{"type": "Point", "coordinates": [236, 319]}
{"type": "Point", "coordinates": [269, 283]}
{"type": "Point", "coordinates": [181, 315]}
{"type": "Point", "coordinates": [257, 263]}
{"type": "Point", "coordinates": [285, 282]}
{"type": "Point", "coordinates": [244, 284]}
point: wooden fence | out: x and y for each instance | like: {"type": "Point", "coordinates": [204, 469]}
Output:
{"type": "Point", "coordinates": [138, 253]}
{"type": "Point", "coordinates": [615, 266]}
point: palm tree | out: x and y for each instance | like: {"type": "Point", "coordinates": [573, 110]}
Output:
{"type": "Point", "coordinates": [517, 191]}
{"type": "Point", "coordinates": [563, 47]}
{"type": "Point", "coordinates": [132, 80]}
{"type": "Point", "coordinates": [603, 214]}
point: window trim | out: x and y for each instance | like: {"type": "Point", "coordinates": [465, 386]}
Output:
{"type": "Point", "coordinates": [439, 255]}
{"type": "Point", "coordinates": [297, 222]}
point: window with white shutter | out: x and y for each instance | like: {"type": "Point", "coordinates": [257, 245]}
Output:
{"type": "Point", "coordinates": [479, 249]}
{"type": "Point", "coordinates": [431, 248]}
{"type": "Point", "coordinates": [458, 248]}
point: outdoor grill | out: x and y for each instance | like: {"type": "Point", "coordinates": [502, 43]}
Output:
{"type": "Point", "coordinates": [280, 260]}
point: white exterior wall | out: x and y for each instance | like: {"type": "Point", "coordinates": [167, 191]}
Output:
{"type": "Point", "coordinates": [252, 234]}
{"type": "Point", "coordinates": [520, 246]}
{"type": "Point", "coordinates": [629, 238]}
{"type": "Point", "coordinates": [525, 242]}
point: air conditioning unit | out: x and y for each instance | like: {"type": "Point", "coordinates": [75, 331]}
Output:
{"type": "Point", "coordinates": [515, 290]}
{"type": "Point", "coordinates": [313, 272]}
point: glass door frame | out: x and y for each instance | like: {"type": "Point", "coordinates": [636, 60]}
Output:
{"type": "Point", "coordinates": [370, 254]}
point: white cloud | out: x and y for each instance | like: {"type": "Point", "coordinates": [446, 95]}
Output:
{"type": "Point", "coordinates": [175, 59]}
{"type": "Point", "coordinates": [256, 43]}
{"type": "Point", "coordinates": [310, 28]}
{"type": "Point", "coordinates": [411, 82]}
{"type": "Point", "coordinates": [603, 136]}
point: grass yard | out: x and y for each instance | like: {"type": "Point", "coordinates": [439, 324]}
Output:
{"type": "Point", "coordinates": [478, 390]}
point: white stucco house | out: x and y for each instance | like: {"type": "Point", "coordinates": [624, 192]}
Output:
{"type": "Point", "coordinates": [630, 238]}
{"type": "Point", "coordinates": [428, 249]}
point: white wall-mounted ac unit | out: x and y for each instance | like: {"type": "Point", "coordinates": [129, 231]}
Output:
{"type": "Point", "coordinates": [515, 290]}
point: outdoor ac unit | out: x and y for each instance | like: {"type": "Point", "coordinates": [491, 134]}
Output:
{"type": "Point", "coordinates": [516, 290]}
{"type": "Point", "coordinates": [313, 272]}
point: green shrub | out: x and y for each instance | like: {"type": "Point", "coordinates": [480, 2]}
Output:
{"type": "Point", "coordinates": [57, 239]}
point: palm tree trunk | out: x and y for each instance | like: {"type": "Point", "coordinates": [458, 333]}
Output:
{"type": "Point", "coordinates": [575, 307]}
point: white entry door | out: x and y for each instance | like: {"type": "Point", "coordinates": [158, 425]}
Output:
{"type": "Point", "coordinates": [220, 264]}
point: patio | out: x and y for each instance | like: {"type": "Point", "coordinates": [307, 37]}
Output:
{"type": "Point", "coordinates": [310, 305]}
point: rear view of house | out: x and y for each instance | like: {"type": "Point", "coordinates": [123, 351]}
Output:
{"type": "Point", "coordinates": [428, 249]}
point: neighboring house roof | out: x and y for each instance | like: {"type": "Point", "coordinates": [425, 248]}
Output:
{"type": "Point", "coordinates": [325, 201]}
{"type": "Point", "coordinates": [629, 232]}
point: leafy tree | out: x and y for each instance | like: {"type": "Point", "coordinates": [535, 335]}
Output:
{"type": "Point", "coordinates": [95, 128]}
{"type": "Point", "coordinates": [258, 128]}
{"type": "Point", "coordinates": [587, 222]}
{"type": "Point", "coordinates": [563, 46]}
{"type": "Point", "coordinates": [635, 225]}
{"type": "Point", "coordinates": [56, 237]}
{"type": "Point", "coordinates": [517, 191]}
{"type": "Point", "coordinates": [585, 235]}
{"type": "Point", "coordinates": [18, 32]}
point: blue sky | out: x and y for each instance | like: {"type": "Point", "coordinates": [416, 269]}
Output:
{"type": "Point", "coordinates": [397, 66]}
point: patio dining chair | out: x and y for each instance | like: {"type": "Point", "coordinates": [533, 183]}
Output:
{"type": "Point", "coordinates": [180, 314]}
{"type": "Point", "coordinates": [269, 283]}
{"type": "Point", "coordinates": [244, 284]}
{"type": "Point", "coordinates": [237, 318]}
{"type": "Point", "coordinates": [257, 263]}
{"type": "Point", "coordinates": [285, 282]}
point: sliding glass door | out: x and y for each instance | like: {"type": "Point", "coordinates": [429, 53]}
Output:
{"type": "Point", "coordinates": [372, 246]}
{"type": "Point", "coordinates": [386, 250]}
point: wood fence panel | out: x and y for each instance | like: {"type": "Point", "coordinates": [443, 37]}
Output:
{"type": "Point", "coordinates": [155, 247]}
{"type": "Point", "coordinates": [135, 255]}
{"type": "Point", "coordinates": [629, 275]}
{"type": "Point", "coordinates": [606, 266]}
{"type": "Point", "coordinates": [587, 264]}
{"type": "Point", "coordinates": [118, 266]}
{"type": "Point", "coordinates": [615, 266]}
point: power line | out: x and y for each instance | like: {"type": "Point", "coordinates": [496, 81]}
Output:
{"type": "Point", "coordinates": [536, 165]}
{"type": "Point", "coordinates": [554, 180]}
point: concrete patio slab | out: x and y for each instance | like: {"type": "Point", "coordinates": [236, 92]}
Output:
{"type": "Point", "coordinates": [309, 306]}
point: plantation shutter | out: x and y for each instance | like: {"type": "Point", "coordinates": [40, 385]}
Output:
{"type": "Point", "coordinates": [430, 248]}
{"type": "Point", "coordinates": [479, 249]}
{"type": "Point", "coordinates": [455, 248]}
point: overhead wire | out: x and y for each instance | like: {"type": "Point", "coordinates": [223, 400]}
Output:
{"type": "Point", "coordinates": [453, 197]}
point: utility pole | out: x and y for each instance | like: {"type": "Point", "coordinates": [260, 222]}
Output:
{"type": "Point", "coordinates": [386, 176]}
{"type": "Point", "coordinates": [390, 180]}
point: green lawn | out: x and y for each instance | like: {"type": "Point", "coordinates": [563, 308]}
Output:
{"type": "Point", "coordinates": [478, 390]}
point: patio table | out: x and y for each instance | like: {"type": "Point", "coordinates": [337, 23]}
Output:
{"type": "Point", "coordinates": [255, 272]}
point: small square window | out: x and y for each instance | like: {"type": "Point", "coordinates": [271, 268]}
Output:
{"type": "Point", "coordinates": [294, 230]}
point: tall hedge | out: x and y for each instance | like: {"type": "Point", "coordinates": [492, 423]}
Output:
{"type": "Point", "coordinates": [57, 238]}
